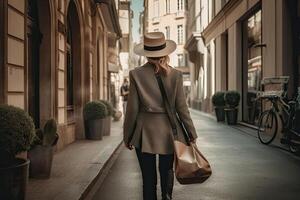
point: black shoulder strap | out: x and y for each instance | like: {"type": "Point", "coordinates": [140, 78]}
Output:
{"type": "Point", "coordinates": [167, 104]}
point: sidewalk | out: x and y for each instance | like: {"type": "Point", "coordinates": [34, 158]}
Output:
{"type": "Point", "coordinates": [242, 167]}
{"type": "Point", "coordinates": [245, 129]}
{"type": "Point", "coordinates": [76, 168]}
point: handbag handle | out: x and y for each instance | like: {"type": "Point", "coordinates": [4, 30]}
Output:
{"type": "Point", "coordinates": [167, 104]}
{"type": "Point", "coordinates": [169, 110]}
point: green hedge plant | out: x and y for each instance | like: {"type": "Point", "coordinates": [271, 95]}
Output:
{"type": "Point", "coordinates": [48, 136]}
{"type": "Point", "coordinates": [94, 110]}
{"type": "Point", "coordinates": [17, 132]}
{"type": "Point", "coordinates": [232, 98]}
{"type": "Point", "coordinates": [218, 99]}
{"type": "Point", "coordinates": [110, 109]}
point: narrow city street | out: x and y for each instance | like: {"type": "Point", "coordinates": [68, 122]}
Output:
{"type": "Point", "coordinates": [242, 169]}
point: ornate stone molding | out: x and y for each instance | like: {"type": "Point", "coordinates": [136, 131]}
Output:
{"type": "Point", "coordinates": [62, 28]}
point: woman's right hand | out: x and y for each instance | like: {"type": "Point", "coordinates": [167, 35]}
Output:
{"type": "Point", "coordinates": [128, 146]}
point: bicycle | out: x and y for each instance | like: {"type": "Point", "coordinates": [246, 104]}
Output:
{"type": "Point", "coordinates": [268, 121]}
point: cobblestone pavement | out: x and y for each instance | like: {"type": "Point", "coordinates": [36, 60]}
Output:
{"type": "Point", "coordinates": [242, 169]}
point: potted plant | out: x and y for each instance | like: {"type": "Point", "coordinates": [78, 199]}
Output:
{"type": "Point", "coordinates": [117, 115]}
{"type": "Point", "coordinates": [16, 136]}
{"type": "Point", "coordinates": [94, 114]}
{"type": "Point", "coordinates": [41, 152]}
{"type": "Point", "coordinates": [110, 113]}
{"type": "Point", "coordinates": [219, 104]}
{"type": "Point", "coordinates": [232, 100]}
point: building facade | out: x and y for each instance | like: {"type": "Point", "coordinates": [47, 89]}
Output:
{"type": "Point", "coordinates": [169, 17]}
{"type": "Point", "coordinates": [245, 41]}
{"type": "Point", "coordinates": [54, 58]}
{"type": "Point", "coordinates": [125, 19]}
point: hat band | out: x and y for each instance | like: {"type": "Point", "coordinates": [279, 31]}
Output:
{"type": "Point", "coordinates": [155, 48]}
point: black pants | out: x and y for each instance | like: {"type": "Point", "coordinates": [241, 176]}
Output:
{"type": "Point", "coordinates": [147, 163]}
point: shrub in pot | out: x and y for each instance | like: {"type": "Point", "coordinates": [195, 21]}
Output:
{"type": "Point", "coordinates": [219, 104]}
{"type": "Point", "coordinates": [110, 113]}
{"type": "Point", "coordinates": [94, 114]}
{"type": "Point", "coordinates": [232, 100]}
{"type": "Point", "coordinates": [41, 152]}
{"type": "Point", "coordinates": [117, 115]}
{"type": "Point", "coordinates": [16, 136]}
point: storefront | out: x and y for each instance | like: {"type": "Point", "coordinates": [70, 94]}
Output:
{"type": "Point", "coordinates": [253, 39]}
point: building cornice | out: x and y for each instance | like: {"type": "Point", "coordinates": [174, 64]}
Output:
{"type": "Point", "coordinates": [111, 6]}
{"type": "Point", "coordinates": [191, 43]}
{"type": "Point", "coordinates": [228, 7]}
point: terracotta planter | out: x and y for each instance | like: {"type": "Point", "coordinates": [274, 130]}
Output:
{"type": "Point", "coordinates": [40, 161]}
{"type": "Point", "coordinates": [231, 116]}
{"type": "Point", "coordinates": [117, 116]}
{"type": "Point", "coordinates": [13, 181]}
{"type": "Point", "coordinates": [220, 114]}
{"type": "Point", "coordinates": [107, 126]}
{"type": "Point", "coordinates": [94, 129]}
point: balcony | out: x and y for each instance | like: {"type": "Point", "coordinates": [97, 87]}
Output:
{"type": "Point", "coordinates": [180, 14]}
{"type": "Point", "coordinates": [155, 20]}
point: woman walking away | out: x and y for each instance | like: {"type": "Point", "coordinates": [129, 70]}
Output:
{"type": "Point", "coordinates": [146, 126]}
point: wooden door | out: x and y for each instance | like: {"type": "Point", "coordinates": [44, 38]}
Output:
{"type": "Point", "coordinates": [33, 49]}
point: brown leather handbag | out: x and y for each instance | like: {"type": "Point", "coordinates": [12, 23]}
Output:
{"type": "Point", "coordinates": [190, 164]}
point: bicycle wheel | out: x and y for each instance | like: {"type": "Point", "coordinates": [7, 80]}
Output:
{"type": "Point", "coordinates": [295, 149]}
{"type": "Point", "coordinates": [267, 127]}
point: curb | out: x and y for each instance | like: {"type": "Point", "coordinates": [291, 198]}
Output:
{"type": "Point", "coordinates": [94, 185]}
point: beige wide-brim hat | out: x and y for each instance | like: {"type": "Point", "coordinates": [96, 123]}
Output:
{"type": "Point", "coordinates": [155, 45]}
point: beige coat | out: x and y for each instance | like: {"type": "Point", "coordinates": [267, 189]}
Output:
{"type": "Point", "coordinates": [146, 124]}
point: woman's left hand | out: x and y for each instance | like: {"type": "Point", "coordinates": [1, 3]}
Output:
{"type": "Point", "coordinates": [193, 141]}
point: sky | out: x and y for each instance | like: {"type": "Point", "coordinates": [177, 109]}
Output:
{"type": "Point", "coordinates": [137, 7]}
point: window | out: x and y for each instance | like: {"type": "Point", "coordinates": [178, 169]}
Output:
{"type": "Point", "coordinates": [180, 5]}
{"type": "Point", "coordinates": [167, 32]}
{"type": "Point", "coordinates": [181, 60]}
{"type": "Point", "coordinates": [156, 8]}
{"type": "Point", "coordinates": [253, 67]}
{"type": "Point", "coordinates": [180, 34]}
{"type": "Point", "coordinates": [167, 6]}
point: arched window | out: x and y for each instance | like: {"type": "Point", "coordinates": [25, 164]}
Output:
{"type": "Point", "coordinates": [72, 53]}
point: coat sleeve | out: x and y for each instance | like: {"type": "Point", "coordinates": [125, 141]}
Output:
{"type": "Point", "coordinates": [121, 90]}
{"type": "Point", "coordinates": [132, 110]}
{"type": "Point", "coordinates": [182, 109]}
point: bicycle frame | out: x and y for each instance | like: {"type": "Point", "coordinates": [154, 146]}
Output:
{"type": "Point", "coordinates": [278, 103]}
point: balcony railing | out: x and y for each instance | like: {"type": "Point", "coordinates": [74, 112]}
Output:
{"type": "Point", "coordinates": [155, 20]}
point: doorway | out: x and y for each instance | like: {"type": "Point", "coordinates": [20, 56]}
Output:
{"type": "Point", "coordinates": [75, 75]}
{"type": "Point", "coordinates": [294, 10]}
{"type": "Point", "coordinates": [34, 37]}
{"type": "Point", "coordinates": [74, 72]}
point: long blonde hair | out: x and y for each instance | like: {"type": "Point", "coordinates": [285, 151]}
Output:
{"type": "Point", "coordinates": [161, 64]}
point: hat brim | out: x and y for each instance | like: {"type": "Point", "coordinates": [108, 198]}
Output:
{"type": "Point", "coordinates": [170, 47]}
